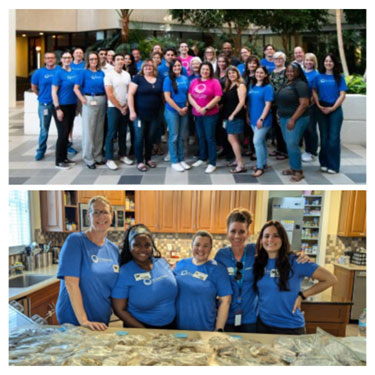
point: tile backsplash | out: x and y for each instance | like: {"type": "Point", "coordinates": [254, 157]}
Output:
{"type": "Point", "coordinates": [336, 246]}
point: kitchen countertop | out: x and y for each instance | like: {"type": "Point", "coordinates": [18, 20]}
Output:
{"type": "Point", "coordinates": [16, 293]}
{"type": "Point", "coordinates": [350, 267]}
{"type": "Point", "coordinates": [18, 320]}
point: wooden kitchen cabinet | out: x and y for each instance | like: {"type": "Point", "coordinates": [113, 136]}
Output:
{"type": "Point", "coordinates": [343, 289]}
{"type": "Point", "coordinates": [205, 210]}
{"type": "Point", "coordinates": [117, 198]}
{"type": "Point", "coordinates": [187, 210]}
{"type": "Point", "coordinates": [147, 209]}
{"type": "Point", "coordinates": [352, 218]}
{"type": "Point", "coordinates": [168, 205]}
{"type": "Point", "coordinates": [247, 199]}
{"type": "Point", "coordinates": [224, 203]}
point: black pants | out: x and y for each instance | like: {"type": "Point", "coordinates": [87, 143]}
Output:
{"type": "Point", "coordinates": [264, 328]}
{"type": "Point", "coordinates": [63, 129]}
{"type": "Point", "coordinates": [168, 326]}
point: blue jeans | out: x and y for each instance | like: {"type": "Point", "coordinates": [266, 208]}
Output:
{"type": "Point", "coordinates": [329, 129]}
{"type": "Point", "coordinates": [45, 116]}
{"type": "Point", "coordinates": [177, 129]}
{"type": "Point", "coordinates": [116, 123]}
{"type": "Point", "coordinates": [292, 139]}
{"type": "Point", "coordinates": [206, 132]}
{"type": "Point", "coordinates": [144, 133]}
{"type": "Point", "coordinates": [260, 145]}
{"type": "Point", "coordinates": [311, 134]}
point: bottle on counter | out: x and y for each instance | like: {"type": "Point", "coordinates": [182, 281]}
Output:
{"type": "Point", "coordinates": [362, 324]}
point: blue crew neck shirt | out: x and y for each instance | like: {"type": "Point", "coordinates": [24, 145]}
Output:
{"type": "Point", "coordinates": [180, 98]}
{"type": "Point", "coordinates": [139, 64]}
{"type": "Point", "coordinates": [163, 71]}
{"type": "Point", "coordinates": [151, 294]}
{"type": "Point", "coordinates": [192, 77]}
{"type": "Point", "coordinates": [257, 97]}
{"type": "Point", "coordinates": [247, 301]}
{"type": "Point", "coordinates": [43, 78]}
{"type": "Point", "coordinates": [97, 268]}
{"type": "Point", "coordinates": [275, 306]}
{"type": "Point", "coordinates": [91, 83]}
{"type": "Point", "coordinates": [241, 68]}
{"type": "Point", "coordinates": [270, 65]}
{"type": "Point", "coordinates": [310, 76]}
{"type": "Point", "coordinates": [65, 81]}
{"type": "Point", "coordinates": [198, 287]}
{"type": "Point", "coordinates": [327, 88]}
{"type": "Point", "coordinates": [79, 67]}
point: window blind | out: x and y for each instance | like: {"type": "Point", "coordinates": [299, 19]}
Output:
{"type": "Point", "coordinates": [19, 218]}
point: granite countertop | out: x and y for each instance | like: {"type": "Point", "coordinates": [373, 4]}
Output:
{"type": "Point", "coordinates": [350, 267]}
{"type": "Point", "coordinates": [16, 293]}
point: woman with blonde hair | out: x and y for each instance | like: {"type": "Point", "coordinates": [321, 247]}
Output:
{"type": "Point", "coordinates": [233, 114]}
{"type": "Point", "coordinates": [210, 56]}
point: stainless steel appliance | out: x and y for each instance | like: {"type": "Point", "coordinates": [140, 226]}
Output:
{"type": "Point", "coordinates": [118, 221]}
{"type": "Point", "coordinates": [289, 211]}
{"type": "Point", "coordinates": [359, 294]}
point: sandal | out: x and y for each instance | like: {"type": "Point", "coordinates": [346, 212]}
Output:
{"type": "Point", "coordinates": [259, 172]}
{"type": "Point", "coordinates": [281, 157]}
{"type": "Point", "coordinates": [264, 167]}
{"type": "Point", "coordinates": [141, 167]}
{"type": "Point", "coordinates": [287, 172]}
{"type": "Point", "coordinates": [297, 176]}
{"type": "Point", "coordinates": [150, 164]}
{"type": "Point", "coordinates": [232, 164]}
{"type": "Point", "coordinates": [238, 170]}
{"type": "Point", "coordinates": [273, 153]}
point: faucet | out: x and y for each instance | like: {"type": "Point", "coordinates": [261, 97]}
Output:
{"type": "Point", "coordinates": [15, 267]}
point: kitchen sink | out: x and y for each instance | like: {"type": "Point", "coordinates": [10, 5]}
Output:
{"type": "Point", "coordinates": [24, 281]}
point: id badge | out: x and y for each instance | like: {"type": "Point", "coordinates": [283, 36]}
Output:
{"type": "Point", "coordinates": [237, 319]}
{"type": "Point", "coordinates": [225, 124]}
{"type": "Point", "coordinates": [200, 275]}
{"type": "Point", "coordinates": [139, 124]}
{"type": "Point", "coordinates": [142, 276]}
{"type": "Point", "coordinates": [93, 102]}
{"type": "Point", "coordinates": [45, 112]}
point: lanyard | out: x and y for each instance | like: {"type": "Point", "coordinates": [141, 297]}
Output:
{"type": "Point", "coordinates": [240, 282]}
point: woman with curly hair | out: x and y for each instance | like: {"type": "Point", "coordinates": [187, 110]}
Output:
{"type": "Point", "coordinates": [146, 290]}
{"type": "Point", "coordinates": [277, 281]}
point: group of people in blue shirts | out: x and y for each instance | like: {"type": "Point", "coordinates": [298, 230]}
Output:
{"type": "Point", "coordinates": [224, 102]}
{"type": "Point", "coordinates": [244, 288]}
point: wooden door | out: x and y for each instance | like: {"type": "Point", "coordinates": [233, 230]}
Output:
{"type": "Point", "coordinates": [358, 216]}
{"type": "Point", "coordinates": [147, 209]}
{"type": "Point", "coordinates": [52, 211]}
{"type": "Point", "coordinates": [168, 206]}
{"type": "Point", "coordinates": [187, 208]}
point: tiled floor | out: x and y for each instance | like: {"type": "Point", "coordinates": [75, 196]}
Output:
{"type": "Point", "coordinates": [23, 169]}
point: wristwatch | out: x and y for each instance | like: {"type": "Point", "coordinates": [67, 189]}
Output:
{"type": "Point", "coordinates": [302, 295]}
{"type": "Point", "coordinates": [57, 107]}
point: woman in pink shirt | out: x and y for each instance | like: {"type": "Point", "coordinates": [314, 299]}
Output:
{"type": "Point", "coordinates": [184, 56]}
{"type": "Point", "coordinates": [204, 95]}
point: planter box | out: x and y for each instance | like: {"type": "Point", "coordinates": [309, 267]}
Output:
{"type": "Point", "coordinates": [354, 127]}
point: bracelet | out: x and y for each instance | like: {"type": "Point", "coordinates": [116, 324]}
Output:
{"type": "Point", "coordinates": [301, 295]}
{"type": "Point", "coordinates": [261, 119]}
{"type": "Point", "coordinates": [57, 107]}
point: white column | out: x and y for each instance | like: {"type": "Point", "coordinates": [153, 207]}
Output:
{"type": "Point", "coordinates": [12, 58]}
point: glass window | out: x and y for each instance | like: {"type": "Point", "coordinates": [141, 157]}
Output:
{"type": "Point", "coordinates": [19, 218]}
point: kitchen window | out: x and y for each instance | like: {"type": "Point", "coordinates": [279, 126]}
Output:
{"type": "Point", "coordinates": [19, 219]}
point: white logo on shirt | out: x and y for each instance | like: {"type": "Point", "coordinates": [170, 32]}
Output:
{"type": "Point", "coordinates": [274, 273]}
{"type": "Point", "coordinates": [95, 259]}
{"type": "Point", "coordinates": [116, 268]}
{"type": "Point", "coordinates": [46, 76]}
{"type": "Point", "coordinates": [201, 87]}
{"type": "Point", "coordinates": [150, 281]}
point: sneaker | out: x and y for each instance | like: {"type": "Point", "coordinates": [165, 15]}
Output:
{"type": "Point", "coordinates": [72, 151]}
{"type": "Point", "coordinates": [178, 167]}
{"type": "Point", "coordinates": [111, 165]}
{"type": "Point", "coordinates": [63, 166]}
{"type": "Point", "coordinates": [126, 160]}
{"type": "Point", "coordinates": [307, 157]}
{"type": "Point", "coordinates": [70, 162]}
{"type": "Point", "coordinates": [324, 169]}
{"type": "Point", "coordinates": [210, 169]}
{"type": "Point", "coordinates": [191, 141]}
{"type": "Point", "coordinates": [185, 165]}
{"type": "Point", "coordinates": [198, 163]}
{"type": "Point", "coordinates": [167, 157]}
{"type": "Point", "coordinates": [39, 156]}
{"type": "Point", "coordinates": [331, 171]}
{"type": "Point", "coordinates": [164, 138]}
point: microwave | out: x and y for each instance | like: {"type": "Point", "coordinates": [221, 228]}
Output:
{"type": "Point", "coordinates": [118, 221]}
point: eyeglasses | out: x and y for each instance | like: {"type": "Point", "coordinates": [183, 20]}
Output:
{"type": "Point", "coordinates": [93, 59]}
{"type": "Point", "coordinates": [98, 213]}
{"type": "Point", "coordinates": [238, 275]}
{"type": "Point", "coordinates": [66, 57]}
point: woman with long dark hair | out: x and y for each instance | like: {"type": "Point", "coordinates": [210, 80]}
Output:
{"type": "Point", "coordinates": [175, 88]}
{"type": "Point", "coordinates": [329, 90]}
{"type": "Point", "coordinates": [277, 281]}
{"type": "Point", "coordinates": [260, 98]}
{"type": "Point", "coordinates": [146, 290]}
{"type": "Point", "coordinates": [222, 65]}
{"type": "Point", "coordinates": [292, 101]}
{"type": "Point", "coordinates": [129, 64]}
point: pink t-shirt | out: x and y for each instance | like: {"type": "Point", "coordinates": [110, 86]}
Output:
{"type": "Point", "coordinates": [186, 63]}
{"type": "Point", "coordinates": [203, 92]}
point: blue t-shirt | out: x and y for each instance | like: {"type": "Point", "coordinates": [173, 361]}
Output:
{"type": "Point", "coordinates": [198, 287]}
{"type": "Point", "coordinates": [79, 67]}
{"type": "Point", "coordinates": [310, 76]}
{"type": "Point", "coordinates": [97, 268]}
{"type": "Point", "coordinates": [327, 88]}
{"type": "Point", "coordinates": [163, 71]}
{"type": "Point", "coordinates": [139, 64]}
{"type": "Point", "coordinates": [275, 306]}
{"type": "Point", "coordinates": [192, 77]}
{"type": "Point", "coordinates": [244, 298]}
{"type": "Point", "coordinates": [66, 81]}
{"type": "Point", "coordinates": [91, 83]}
{"type": "Point", "coordinates": [270, 65]}
{"type": "Point", "coordinates": [182, 90]}
{"type": "Point", "coordinates": [151, 294]}
{"type": "Point", "coordinates": [148, 98]}
{"type": "Point", "coordinates": [257, 97]}
{"type": "Point", "coordinates": [241, 68]}
{"type": "Point", "coordinates": [43, 79]}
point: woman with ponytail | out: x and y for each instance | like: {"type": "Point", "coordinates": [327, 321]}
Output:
{"type": "Point", "coordinates": [277, 281]}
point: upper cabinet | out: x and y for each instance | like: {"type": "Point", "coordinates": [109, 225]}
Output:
{"type": "Point", "coordinates": [116, 198]}
{"type": "Point", "coordinates": [352, 219]}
